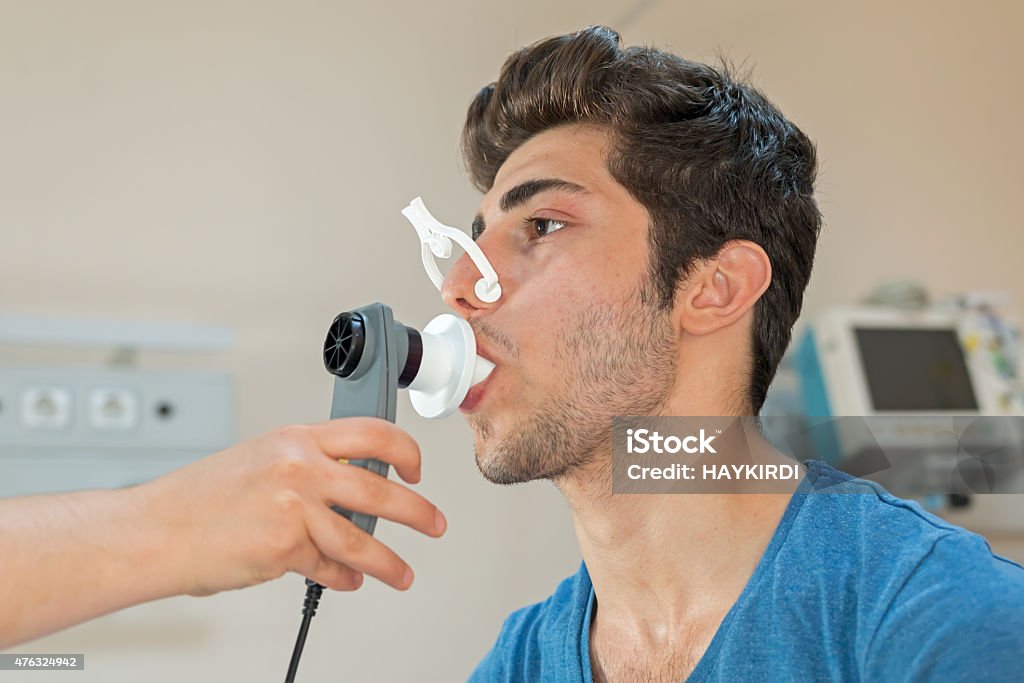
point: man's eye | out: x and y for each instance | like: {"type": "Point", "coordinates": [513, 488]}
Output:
{"type": "Point", "coordinates": [546, 226]}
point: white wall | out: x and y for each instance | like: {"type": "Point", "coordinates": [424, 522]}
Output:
{"type": "Point", "coordinates": [245, 163]}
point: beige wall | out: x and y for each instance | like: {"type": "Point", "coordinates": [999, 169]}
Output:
{"type": "Point", "coordinates": [916, 110]}
{"type": "Point", "coordinates": [245, 163]}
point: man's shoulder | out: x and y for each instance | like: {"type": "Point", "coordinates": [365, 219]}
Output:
{"type": "Point", "coordinates": [853, 524]}
{"type": "Point", "coordinates": [850, 527]}
{"type": "Point", "coordinates": [894, 588]}
{"type": "Point", "coordinates": [567, 602]}
{"type": "Point", "coordinates": [887, 565]}
{"type": "Point", "coordinates": [533, 642]}
{"type": "Point", "coordinates": [958, 615]}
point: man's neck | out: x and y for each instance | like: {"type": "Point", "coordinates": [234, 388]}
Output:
{"type": "Point", "coordinates": [657, 558]}
{"type": "Point", "coordinates": [667, 565]}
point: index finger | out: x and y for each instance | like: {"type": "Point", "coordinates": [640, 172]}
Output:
{"type": "Point", "coordinates": [355, 438]}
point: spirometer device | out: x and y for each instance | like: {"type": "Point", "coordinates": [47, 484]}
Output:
{"type": "Point", "coordinates": [371, 356]}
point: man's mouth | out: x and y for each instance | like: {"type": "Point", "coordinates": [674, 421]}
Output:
{"type": "Point", "coordinates": [476, 393]}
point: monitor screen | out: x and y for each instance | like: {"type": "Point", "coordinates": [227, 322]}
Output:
{"type": "Point", "coordinates": [915, 369]}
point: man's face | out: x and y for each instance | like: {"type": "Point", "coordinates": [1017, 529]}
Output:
{"type": "Point", "coordinates": [575, 335]}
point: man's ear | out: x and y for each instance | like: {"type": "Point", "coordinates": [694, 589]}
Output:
{"type": "Point", "coordinates": [721, 290]}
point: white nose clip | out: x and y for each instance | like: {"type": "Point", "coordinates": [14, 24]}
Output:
{"type": "Point", "coordinates": [435, 242]}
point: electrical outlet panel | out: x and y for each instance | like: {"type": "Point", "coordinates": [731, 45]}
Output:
{"type": "Point", "coordinates": [65, 429]}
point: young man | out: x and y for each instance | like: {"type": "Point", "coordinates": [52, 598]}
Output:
{"type": "Point", "coordinates": [653, 225]}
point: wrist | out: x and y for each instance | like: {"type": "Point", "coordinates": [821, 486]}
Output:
{"type": "Point", "coordinates": [156, 529]}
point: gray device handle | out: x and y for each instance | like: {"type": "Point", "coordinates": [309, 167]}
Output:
{"type": "Point", "coordinates": [371, 390]}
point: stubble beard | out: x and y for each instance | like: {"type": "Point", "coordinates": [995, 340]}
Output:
{"type": "Point", "coordinates": [621, 359]}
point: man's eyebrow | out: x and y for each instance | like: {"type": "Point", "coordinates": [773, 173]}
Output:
{"type": "Point", "coordinates": [523, 192]}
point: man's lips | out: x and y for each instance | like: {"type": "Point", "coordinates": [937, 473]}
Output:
{"type": "Point", "coordinates": [476, 393]}
{"type": "Point", "coordinates": [485, 352]}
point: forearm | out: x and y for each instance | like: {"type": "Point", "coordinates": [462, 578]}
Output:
{"type": "Point", "coordinates": [71, 557]}
{"type": "Point", "coordinates": [237, 518]}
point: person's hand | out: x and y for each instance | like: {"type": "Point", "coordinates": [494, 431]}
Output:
{"type": "Point", "coordinates": [262, 508]}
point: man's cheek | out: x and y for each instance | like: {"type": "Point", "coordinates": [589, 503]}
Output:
{"type": "Point", "coordinates": [541, 359]}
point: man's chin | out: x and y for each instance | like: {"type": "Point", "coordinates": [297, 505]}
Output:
{"type": "Point", "coordinates": [499, 466]}
{"type": "Point", "coordinates": [486, 448]}
{"type": "Point", "coordinates": [495, 470]}
{"type": "Point", "coordinates": [494, 462]}
{"type": "Point", "coordinates": [518, 451]}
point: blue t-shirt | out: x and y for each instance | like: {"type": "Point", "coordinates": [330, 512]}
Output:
{"type": "Point", "coordinates": [855, 584]}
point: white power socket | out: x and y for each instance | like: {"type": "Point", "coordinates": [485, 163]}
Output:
{"type": "Point", "coordinates": [113, 409]}
{"type": "Point", "coordinates": [46, 407]}
{"type": "Point", "coordinates": [75, 428]}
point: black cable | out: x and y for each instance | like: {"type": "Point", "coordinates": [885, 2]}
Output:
{"type": "Point", "coordinates": [313, 592]}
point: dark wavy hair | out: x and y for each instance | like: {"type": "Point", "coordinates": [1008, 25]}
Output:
{"type": "Point", "coordinates": [710, 158]}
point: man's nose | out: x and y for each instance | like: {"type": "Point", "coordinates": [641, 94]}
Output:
{"type": "Point", "coordinates": [458, 289]}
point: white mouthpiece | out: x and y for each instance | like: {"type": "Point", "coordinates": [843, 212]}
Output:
{"type": "Point", "coordinates": [449, 367]}
{"type": "Point", "coordinates": [480, 372]}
